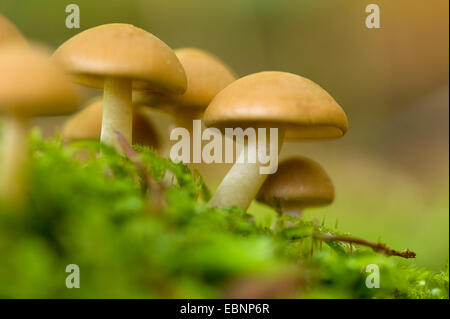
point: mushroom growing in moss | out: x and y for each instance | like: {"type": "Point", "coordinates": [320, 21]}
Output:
{"type": "Point", "coordinates": [87, 125]}
{"type": "Point", "coordinates": [298, 183]}
{"type": "Point", "coordinates": [29, 86]}
{"type": "Point", "coordinates": [116, 58]}
{"type": "Point", "coordinates": [296, 106]}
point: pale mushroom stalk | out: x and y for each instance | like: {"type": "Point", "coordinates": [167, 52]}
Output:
{"type": "Point", "coordinates": [87, 125]}
{"type": "Point", "coordinates": [270, 99]}
{"type": "Point", "coordinates": [290, 210]}
{"type": "Point", "coordinates": [48, 92]}
{"type": "Point", "coordinates": [117, 57]}
{"type": "Point", "coordinates": [244, 179]}
{"type": "Point", "coordinates": [15, 151]}
{"type": "Point", "coordinates": [117, 111]}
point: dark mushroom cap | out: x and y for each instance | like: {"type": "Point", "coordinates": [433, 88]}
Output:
{"type": "Point", "coordinates": [299, 182]}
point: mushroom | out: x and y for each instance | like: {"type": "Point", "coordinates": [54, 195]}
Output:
{"type": "Point", "coordinates": [29, 86]}
{"type": "Point", "coordinates": [206, 76]}
{"type": "Point", "coordinates": [296, 106]}
{"type": "Point", "coordinates": [298, 183]}
{"type": "Point", "coordinates": [9, 33]}
{"type": "Point", "coordinates": [87, 125]}
{"type": "Point", "coordinates": [116, 58]}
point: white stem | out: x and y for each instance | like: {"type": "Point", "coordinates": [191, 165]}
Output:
{"type": "Point", "coordinates": [13, 170]}
{"type": "Point", "coordinates": [117, 112]}
{"type": "Point", "coordinates": [243, 181]}
{"type": "Point", "coordinates": [291, 210]}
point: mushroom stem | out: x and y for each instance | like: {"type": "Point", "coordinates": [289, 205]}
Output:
{"type": "Point", "coordinates": [117, 112]}
{"type": "Point", "coordinates": [244, 179]}
{"type": "Point", "coordinates": [291, 210]}
{"type": "Point", "coordinates": [13, 166]}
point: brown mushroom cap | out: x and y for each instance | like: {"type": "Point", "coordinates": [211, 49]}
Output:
{"type": "Point", "coordinates": [206, 76]}
{"type": "Point", "coordinates": [31, 85]}
{"type": "Point", "coordinates": [299, 182]}
{"type": "Point", "coordinates": [123, 51]}
{"type": "Point", "coordinates": [278, 99]}
{"type": "Point", "coordinates": [87, 125]}
{"type": "Point", "coordinates": [8, 32]}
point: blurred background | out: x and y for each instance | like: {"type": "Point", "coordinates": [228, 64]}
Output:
{"type": "Point", "coordinates": [391, 170]}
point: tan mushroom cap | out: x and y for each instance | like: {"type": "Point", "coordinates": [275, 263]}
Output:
{"type": "Point", "coordinates": [87, 125]}
{"type": "Point", "coordinates": [9, 33]}
{"type": "Point", "coordinates": [278, 99]}
{"type": "Point", "coordinates": [206, 76]}
{"type": "Point", "coordinates": [299, 182]}
{"type": "Point", "coordinates": [31, 85]}
{"type": "Point", "coordinates": [122, 51]}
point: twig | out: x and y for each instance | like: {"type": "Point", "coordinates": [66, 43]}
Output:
{"type": "Point", "coordinates": [377, 247]}
{"type": "Point", "coordinates": [126, 146]}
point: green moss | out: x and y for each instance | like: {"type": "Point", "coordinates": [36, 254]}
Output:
{"type": "Point", "coordinates": [131, 241]}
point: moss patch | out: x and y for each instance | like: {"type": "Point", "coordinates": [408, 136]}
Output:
{"type": "Point", "coordinates": [134, 236]}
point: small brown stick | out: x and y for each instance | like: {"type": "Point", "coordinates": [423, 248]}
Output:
{"type": "Point", "coordinates": [377, 247]}
{"type": "Point", "coordinates": [126, 146]}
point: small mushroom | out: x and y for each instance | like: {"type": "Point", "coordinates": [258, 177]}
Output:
{"type": "Point", "coordinates": [29, 86]}
{"type": "Point", "coordinates": [296, 106]}
{"type": "Point", "coordinates": [298, 183]}
{"type": "Point", "coordinates": [9, 33]}
{"type": "Point", "coordinates": [87, 125]}
{"type": "Point", "coordinates": [206, 76]}
{"type": "Point", "coordinates": [116, 58]}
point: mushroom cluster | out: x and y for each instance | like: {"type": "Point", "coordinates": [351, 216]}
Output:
{"type": "Point", "coordinates": [138, 72]}
{"type": "Point", "coordinates": [297, 107]}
